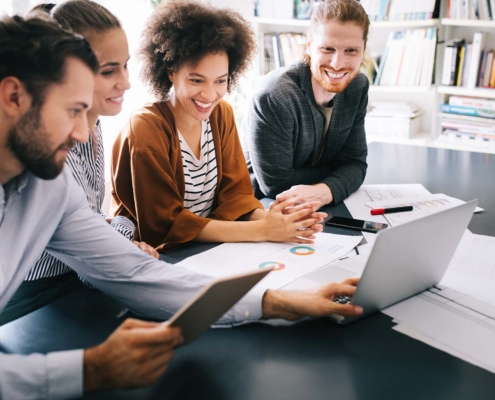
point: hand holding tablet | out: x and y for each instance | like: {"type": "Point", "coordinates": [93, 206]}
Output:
{"type": "Point", "coordinates": [212, 302]}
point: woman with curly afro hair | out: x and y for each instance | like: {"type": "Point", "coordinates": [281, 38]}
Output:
{"type": "Point", "coordinates": [178, 170]}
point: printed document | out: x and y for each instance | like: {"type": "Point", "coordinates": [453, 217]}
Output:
{"type": "Point", "coordinates": [422, 206]}
{"type": "Point", "coordinates": [290, 260]}
{"type": "Point", "coordinates": [458, 315]}
{"type": "Point", "coordinates": [356, 202]}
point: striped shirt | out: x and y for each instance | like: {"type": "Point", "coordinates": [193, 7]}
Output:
{"type": "Point", "coordinates": [37, 214]}
{"type": "Point", "coordinates": [200, 175]}
{"type": "Point", "coordinates": [89, 173]}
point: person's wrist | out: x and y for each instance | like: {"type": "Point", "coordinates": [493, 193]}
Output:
{"type": "Point", "coordinates": [274, 305]}
{"type": "Point", "coordinates": [326, 196]}
{"type": "Point", "coordinates": [258, 230]}
{"type": "Point", "coordinates": [93, 379]}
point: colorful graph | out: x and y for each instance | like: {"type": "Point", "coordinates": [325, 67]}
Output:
{"type": "Point", "coordinates": [277, 266]}
{"type": "Point", "coordinates": [302, 251]}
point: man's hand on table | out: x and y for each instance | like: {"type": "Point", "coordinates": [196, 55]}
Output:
{"type": "Point", "coordinates": [147, 249]}
{"type": "Point", "coordinates": [136, 354]}
{"type": "Point", "coordinates": [310, 303]}
{"type": "Point", "coordinates": [308, 193]}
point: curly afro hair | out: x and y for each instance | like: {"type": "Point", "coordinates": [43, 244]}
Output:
{"type": "Point", "coordinates": [182, 31]}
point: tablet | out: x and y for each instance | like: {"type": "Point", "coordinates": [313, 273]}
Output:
{"type": "Point", "coordinates": [212, 302]}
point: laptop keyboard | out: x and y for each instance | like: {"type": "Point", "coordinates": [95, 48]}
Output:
{"type": "Point", "coordinates": [342, 299]}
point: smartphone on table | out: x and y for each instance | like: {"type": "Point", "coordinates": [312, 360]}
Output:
{"type": "Point", "coordinates": [357, 224]}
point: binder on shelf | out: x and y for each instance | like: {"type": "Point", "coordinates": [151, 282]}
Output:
{"type": "Point", "coordinates": [478, 44]}
{"type": "Point", "coordinates": [468, 48]}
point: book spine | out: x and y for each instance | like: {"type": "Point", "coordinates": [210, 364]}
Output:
{"type": "Point", "coordinates": [453, 64]}
{"type": "Point", "coordinates": [478, 44]}
{"type": "Point", "coordinates": [474, 112]}
{"type": "Point", "coordinates": [384, 58]}
{"type": "Point", "coordinates": [488, 69]}
{"type": "Point", "coordinates": [482, 67]}
{"type": "Point", "coordinates": [489, 9]}
{"type": "Point", "coordinates": [459, 69]}
{"type": "Point", "coordinates": [472, 102]}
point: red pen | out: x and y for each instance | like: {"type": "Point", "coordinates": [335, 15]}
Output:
{"type": "Point", "coordinates": [381, 211]}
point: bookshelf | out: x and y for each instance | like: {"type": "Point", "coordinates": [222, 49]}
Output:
{"type": "Point", "coordinates": [428, 97]}
{"type": "Point", "coordinates": [460, 91]}
{"type": "Point", "coordinates": [468, 22]}
{"type": "Point", "coordinates": [293, 23]}
{"type": "Point", "coordinates": [464, 28]}
{"type": "Point", "coordinates": [402, 89]}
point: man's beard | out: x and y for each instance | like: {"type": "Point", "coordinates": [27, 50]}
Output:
{"type": "Point", "coordinates": [28, 141]}
{"type": "Point", "coordinates": [333, 87]}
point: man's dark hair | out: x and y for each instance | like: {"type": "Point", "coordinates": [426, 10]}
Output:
{"type": "Point", "coordinates": [35, 50]}
{"type": "Point", "coordinates": [183, 31]}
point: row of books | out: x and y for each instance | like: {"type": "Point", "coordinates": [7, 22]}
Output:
{"type": "Point", "coordinates": [408, 58]}
{"type": "Point", "coordinates": [468, 64]}
{"type": "Point", "coordinates": [473, 107]}
{"type": "Point", "coordinates": [279, 50]}
{"type": "Point", "coordinates": [468, 118]}
{"type": "Point", "coordinates": [471, 9]}
{"type": "Point", "coordinates": [401, 10]}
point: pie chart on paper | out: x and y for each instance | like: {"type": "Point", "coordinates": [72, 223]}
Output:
{"type": "Point", "coordinates": [302, 251]}
{"type": "Point", "coordinates": [277, 266]}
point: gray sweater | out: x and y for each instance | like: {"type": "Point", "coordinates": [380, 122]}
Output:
{"type": "Point", "coordinates": [284, 131]}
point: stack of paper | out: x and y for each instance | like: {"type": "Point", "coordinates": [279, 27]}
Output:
{"type": "Point", "coordinates": [458, 316]}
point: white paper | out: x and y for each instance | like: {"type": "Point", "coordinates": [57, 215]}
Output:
{"type": "Point", "coordinates": [356, 202]}
{"type": "Point", "coordinates": [422, 206]}
{"type": "Point", "coordinates": [472, 269]}
{"type": "Point", "coordinates": [461, 329]}
{"type": "Point", "coordinates": [291, 260]}
{"type": "Point", "coordinates": [355, 263]}
{"type": "Point", "coordinates": [414, 334]}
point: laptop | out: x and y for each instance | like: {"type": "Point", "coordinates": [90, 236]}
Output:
{"type": "Point", "coordinates": [405, 260]}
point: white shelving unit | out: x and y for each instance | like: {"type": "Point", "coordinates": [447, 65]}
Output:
{"type": "Point", "coordinates": [473, 23]}
{"type": "Point", "coordinates": [402, 89]}
{"type": "Point", "coordinates": [376, 24]}
{"type": "Point", "coordinates": [465, 28]}
{"type": "Point", "coordinates": [460, 91]}
{"type": "Point", "coordinates": [429, 98]}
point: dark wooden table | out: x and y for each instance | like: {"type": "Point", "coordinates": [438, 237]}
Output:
{"type": "Point", "coordinates": [312, 359]}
